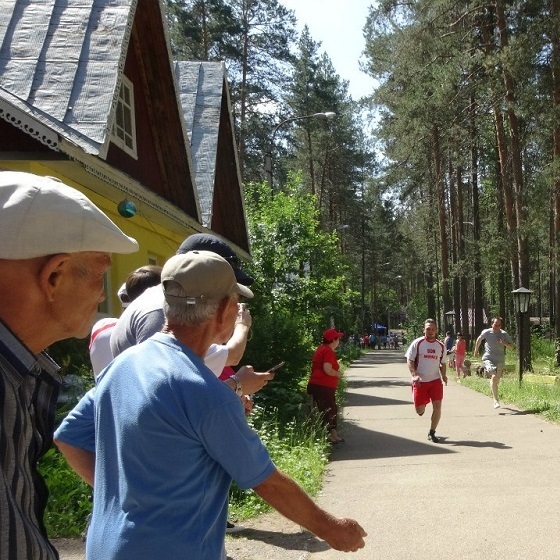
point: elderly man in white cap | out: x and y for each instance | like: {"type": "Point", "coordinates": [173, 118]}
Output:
{"type": "Point", "coordinates": [170, 437]}
{"type": "Point", "coordinates": [54, 243]}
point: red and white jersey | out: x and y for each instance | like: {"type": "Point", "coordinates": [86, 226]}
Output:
{"type": "Point", "coordinates": [428, 356]}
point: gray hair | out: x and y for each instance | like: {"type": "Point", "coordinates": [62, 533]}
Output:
{"type": "Point", "coordinates": [183, 310]}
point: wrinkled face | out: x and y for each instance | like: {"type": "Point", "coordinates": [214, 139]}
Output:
{"type": "Point", "coordinates": [75, 305]}
{"type": "Point", "coordinates": [430, 330]}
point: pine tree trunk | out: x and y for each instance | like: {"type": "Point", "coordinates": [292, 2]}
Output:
{"type": "Point", "coordinates": [521, 275]}
{"type": "Point", "coordinates": [555, 237]}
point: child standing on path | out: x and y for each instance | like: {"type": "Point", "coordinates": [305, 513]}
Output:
{"type": "Point", "coordinates": [460, 349]}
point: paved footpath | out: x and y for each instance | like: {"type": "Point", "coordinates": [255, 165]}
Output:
{"type": "Point", "coordinates": [489, 491]}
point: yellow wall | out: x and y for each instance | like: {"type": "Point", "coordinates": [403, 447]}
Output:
{"type": "Point", "coordinates": [154, 240]}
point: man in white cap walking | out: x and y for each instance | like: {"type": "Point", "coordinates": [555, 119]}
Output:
{"type": "Point", "coordinates": [54, 243]}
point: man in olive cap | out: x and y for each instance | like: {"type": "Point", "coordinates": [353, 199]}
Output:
{"type": "Point", "coordinates": [170, 438]}
{"type": "Point", "coordinates": [54, 243]}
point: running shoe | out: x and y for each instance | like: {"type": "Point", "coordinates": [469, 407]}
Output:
{"type": "Point", "coordinates": [432, 436]}
{"type": "Point", "coordinates": [231, 528]}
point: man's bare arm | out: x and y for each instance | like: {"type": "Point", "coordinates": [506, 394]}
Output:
{"type": "Point", "coordinates": [237, 343]}
{"type": "Point", "coordinates": [282, 493]}
{"type": "Point", "coordinates": [82, 461]}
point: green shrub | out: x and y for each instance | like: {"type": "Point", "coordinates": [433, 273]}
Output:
{"type": "Point", "coordinates": [298, 448]}
{"type": "Point", "coordinates": [70, 498]}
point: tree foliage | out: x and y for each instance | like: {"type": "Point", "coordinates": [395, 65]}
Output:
{"type": "Point", "coordinates": [299, 284]}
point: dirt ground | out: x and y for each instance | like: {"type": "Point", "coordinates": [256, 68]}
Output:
{"type": "Point", "coordinates": [270, 536]}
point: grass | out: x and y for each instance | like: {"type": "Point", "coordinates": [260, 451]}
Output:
{"type": "Point", "coordinates": [69, 499]}
{"type": "Point", "coordinates": [532, 395]}
{"type": "Point", "coordinates": [539, 392]}
{"type": "Point", "coordinates": [299, 449]}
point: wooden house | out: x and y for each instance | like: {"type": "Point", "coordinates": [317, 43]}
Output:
{"type": "Point", "coordinates": [89, 93]}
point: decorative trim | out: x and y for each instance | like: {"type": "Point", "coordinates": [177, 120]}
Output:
{"type": "Point", "coordinates": [130, 187]}
{"type": "Point", "coordinates": [135, 193]}
{"type": "Point", "coordinates": [29, 125]}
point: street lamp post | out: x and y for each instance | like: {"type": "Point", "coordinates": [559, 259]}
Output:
{"type": "Point", "coordinates": [450, 320]}
{"type": "Point", "coordinates": [521, 298]}
{"type": "Point", "coordinates": [268, 163]}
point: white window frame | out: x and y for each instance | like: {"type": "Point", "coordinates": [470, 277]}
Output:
{"type": "Point", "coordinates": [123, 131]}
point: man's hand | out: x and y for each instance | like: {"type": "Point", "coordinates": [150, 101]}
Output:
{"type": "Point", "coordinates": [415, 379]}
{"type": "Point", "coordinates": [251, 381]}
{"type": "Point", "coordinates": [243, 315]}
{"type": "Point", "coordinates": [444, 377]}
{"type": "Point", "coordinates": [346, 535]}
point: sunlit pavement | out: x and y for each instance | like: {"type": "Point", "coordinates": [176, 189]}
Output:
{"type": "Point", "coordinates": [490, 490]}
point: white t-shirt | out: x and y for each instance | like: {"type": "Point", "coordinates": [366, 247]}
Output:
{"type": "Point", "coordinates": [428, 357]}
{"type": "Point", "coordinates": [100, 353]}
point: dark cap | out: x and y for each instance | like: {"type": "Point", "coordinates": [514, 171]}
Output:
{"type": "Point", "coordinates": [207, 242]}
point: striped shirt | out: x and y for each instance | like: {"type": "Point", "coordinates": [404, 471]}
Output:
{"type": "Point", "coordinates": [29, 386]}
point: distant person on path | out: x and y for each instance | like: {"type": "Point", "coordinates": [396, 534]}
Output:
{"type": "Point", "coordinates": [449, 342]}
{"type": "Point", "coordinates": [55, 247]}
{"type": "Point", "coordinates": [171, 436]}
{"type": "Point", "coordinates": [426, 363]}
{"type": "Point", "coordinates": [460, 350]}
{"type": "Point", "coordinates": [496, 341]}
{"type": "Point", "coordinates": [325, 373]}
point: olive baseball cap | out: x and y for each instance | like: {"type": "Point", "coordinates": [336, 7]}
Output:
{"type": "Point", "coordinates": [203, 275]}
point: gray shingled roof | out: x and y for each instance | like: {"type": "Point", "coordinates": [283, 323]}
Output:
{"type": "Point", "coordinates": [60, 61]}
{"type": "Point", "coordinates": [201, 89]}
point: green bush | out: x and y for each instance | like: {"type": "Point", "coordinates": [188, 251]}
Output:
{"type": "Point", "coordinates": [298, 448]}
{"type": "Point", "coordinates": [70, 498]}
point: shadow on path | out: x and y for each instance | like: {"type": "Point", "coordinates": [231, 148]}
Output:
{"type": "Point", "coordinates": [495, 444]}
{"type": "Point", "coordinates": [301, 540]}
{"type": "Point", "coordinates": [505, 411]}
{"type": "Point", "coordinates": [377, 382]}
{"type": "Point", "coordinates": [370, 444]}
{"type": "Point", "coordinates": [359, 399]}
{"type": "Point", "coordinates": [379, 358]}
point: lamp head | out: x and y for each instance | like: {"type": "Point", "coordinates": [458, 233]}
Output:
{"type": "Point", "coordinates": [126, 208]}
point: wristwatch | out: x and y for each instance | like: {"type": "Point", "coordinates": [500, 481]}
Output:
{"type": "Point", "coordinates": [238, 388]}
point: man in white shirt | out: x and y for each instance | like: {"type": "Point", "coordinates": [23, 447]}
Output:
{"type": "Point", "coordinates": [426, 363]}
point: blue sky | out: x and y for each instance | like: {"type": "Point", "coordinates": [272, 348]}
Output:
{"type": "Point", "coordinates": [338, 24]}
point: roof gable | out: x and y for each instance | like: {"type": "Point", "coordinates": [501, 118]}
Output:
{"type": "Point", "coordinates": [60, 61]}
{"type": "Point", "coordinates": [61, 65]}
{"type": "Point", "coordinates": [204, 96]}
